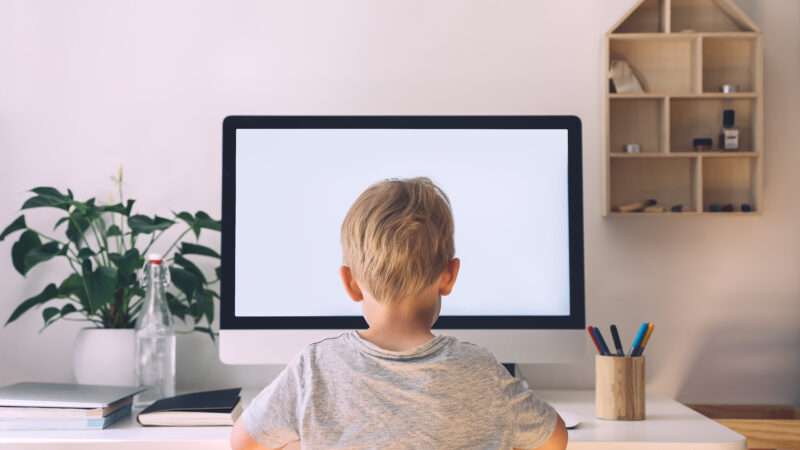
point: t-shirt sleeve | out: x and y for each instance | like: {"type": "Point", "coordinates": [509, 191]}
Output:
{"type": "Point", "coordinates": [272, 418]}
{"type": "Point", "coordinates": [534, 419]}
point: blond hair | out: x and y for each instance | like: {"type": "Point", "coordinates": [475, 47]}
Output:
{"type": "Point", "coordinates": [397, 238]}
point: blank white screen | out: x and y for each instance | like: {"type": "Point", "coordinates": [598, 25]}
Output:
{"type": "Point", "coordinates": [508, 191]}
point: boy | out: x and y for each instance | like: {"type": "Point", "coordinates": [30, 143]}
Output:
{"type": "Point", "coordinates": [397, 385]}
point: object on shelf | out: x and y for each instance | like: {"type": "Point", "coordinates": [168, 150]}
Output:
{"type": "Point", "coordinates": [623, 78]}
{"type": "Point", "coordinates": [654, 209]}
{"type": "Point", "coordinates": [633, 148]}
{"type": "Point", "coordinates": [746, 207]}
{"type": "Point", "coordinates": [729, 138]}
{"type": "Point", "coordinates": [703, 144]}
{"type": "Point", "coordinates": [729, 88]}
{"type": "Point", "coordinates": [677, 208]}
{"type": "Point", "coordinates": [728, 208]}
{"type": "Point", "coordinates": [715, 207]}
{"type": "Point", "coordinates": [631, 207]}
{"type": "Point", "coordinates": [650, 202]}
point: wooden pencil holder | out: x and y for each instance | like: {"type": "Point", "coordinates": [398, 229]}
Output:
{"type": "Point", "coordinates": [619, 387]}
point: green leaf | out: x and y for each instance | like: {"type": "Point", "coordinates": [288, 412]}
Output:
{"type": "Point", "coordinates": [73, 286]}
{"type": "Point", "coordinates": [85, 252]}
{"type": "Point", "coordinates": [52, 314]}
{"type": "Point", "coordinates": [208, 331]}
{"type": "Point", "coordinates": [199, 221]}
{"type": "Point", "coordinates": [205, 221]}
{"type": "Point", "coordinates": [41, 254]}
{"type": "Point", "coordinates": [185, 281]}
{"type": "Point", "coordinates": [218, 271]}
{"type": "Point", "coordinates": [78, 224]}
{"type": "Point", "coordinates": [49, 313]}
{"type": "Point", "coordinates": [190, 266]}
{"type": "Point", "coordinates": [48, 192]}
{"type": "Point", "coordinates": [118, 208]}
{"type": "Point", "coordinates": [27, 242]}
{"type": "Point", "coordinates": [129, 206]}
{"type": "Point", "coordinates": [113, 230]}
{"type": "Point", "coordinates": [60, 221]}
{"type": "Point", "coordinates": [16, 225]}
{"type": "Point", "coordinates": [207, 305]}
{"type": "Point", "coordinates": [141, 224]}
{"type": "Point", "coordinates": [127, 265]}
{"type": "Point", "coordinates": [100, 285]}
{"type": "Point", "coordinates": [47, 197]}
{"type": "Point", "coordinates": [50, 292]}
{"type": "Point", "coordinates": [194, 249]}
{"type": "Point", "coordinates": [176, 307]}
{"type": "Point", "coordinates": [69, 308]}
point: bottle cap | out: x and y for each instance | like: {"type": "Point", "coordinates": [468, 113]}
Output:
{"type": "Point", "coordinates": [154, 258]}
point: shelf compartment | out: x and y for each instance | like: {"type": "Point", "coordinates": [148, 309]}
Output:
{"type": "Point", "coordinates": [708, 16]}
{"type": "Point", "coordinates": [647, 18]}
{"type": "Point", "coordinates": [637, 121]}
{"type": "Point", "coordinates": [702, 117]}
{"type": "Point", "coordinates": [670, 181]}
{"type": "Point", "coordinates": [729, 181]}
{"type": "Point", "coordinates": [664, 66]}
{"type": "Point", "coordinates": [729, 61]}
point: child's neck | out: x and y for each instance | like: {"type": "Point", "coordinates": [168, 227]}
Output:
{"type": "Point", "coordinates": [397, 338]}
{"type": "Point", "coordinates": [400, 327]}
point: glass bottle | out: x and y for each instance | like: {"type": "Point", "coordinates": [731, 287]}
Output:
{"type": "Point", "coordinates": [155, 335]}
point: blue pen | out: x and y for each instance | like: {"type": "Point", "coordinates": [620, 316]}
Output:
{"type": "Point", "coordinates": [601, 341]}
{"type": "Point", "coordinates": [637, 341]}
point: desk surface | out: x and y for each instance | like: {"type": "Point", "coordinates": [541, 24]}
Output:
{"type": "Point", "coordinates": [669, 425]}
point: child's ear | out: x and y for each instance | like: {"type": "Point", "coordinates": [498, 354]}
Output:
{"type": "Point", "coordinates": [350, 285]}
{"type": "Point", "coordinates": [448, 278]}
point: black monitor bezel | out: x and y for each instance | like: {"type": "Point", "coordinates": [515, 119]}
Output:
{"type": "Point", "coordinates": [576, 318]}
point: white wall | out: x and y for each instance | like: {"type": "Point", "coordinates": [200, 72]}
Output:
{"type": "Point", "coordinates": [87, 85]}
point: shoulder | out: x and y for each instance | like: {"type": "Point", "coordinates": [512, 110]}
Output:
{"type": "Point", "coordinates": [324, 349]}
{"type": "Point", "coordinates": [472, 354]}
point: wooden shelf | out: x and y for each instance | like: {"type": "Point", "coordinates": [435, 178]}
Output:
{"type": "Point", "coordinates": [709, 95]}
{"type": "Point", "coordinates": [687, 154]}
{"type": "Point", "coordinates": [685, 35]}
{"type": "Point", "coordinates": [682, 73]}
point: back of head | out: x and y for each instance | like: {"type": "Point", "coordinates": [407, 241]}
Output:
{"type": "Point", "coordinates": [397, 238]}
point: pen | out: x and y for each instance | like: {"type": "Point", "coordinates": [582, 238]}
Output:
{"type": "Point", "coordinates": [617, 340]}
{"type": "Point", "coordinates": [602, 342]}
{"type": "Point", "coordinates": [645, 340]}
{"type": "Point", "coordinates": [637, 341]}
{"type": "Point", "coordinates": [594, 339]}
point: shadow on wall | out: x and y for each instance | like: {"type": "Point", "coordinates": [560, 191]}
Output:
{"type": "Point", "coordinates": [734, 357]}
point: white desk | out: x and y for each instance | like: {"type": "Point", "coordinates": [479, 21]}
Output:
{"type": "Point", "coordinates": [669, 425]}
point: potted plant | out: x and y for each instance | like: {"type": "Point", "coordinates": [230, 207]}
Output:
{"type": "Point", "coordinates": [104, 247]}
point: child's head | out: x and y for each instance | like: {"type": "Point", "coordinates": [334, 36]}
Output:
{"type": "Point", "coordinates": [397, 242]}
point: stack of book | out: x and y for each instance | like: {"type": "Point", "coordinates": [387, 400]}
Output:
{"type": "Point", "coordinates": [197, 409]}
{"type": "Point", "coordinates": [49, 406]}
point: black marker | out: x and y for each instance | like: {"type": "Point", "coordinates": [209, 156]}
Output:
{"type": "Point", "coordinates": [617, 341]}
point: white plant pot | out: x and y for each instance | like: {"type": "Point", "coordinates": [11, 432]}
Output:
{"type": "Point", "coordinates": [105, 356]}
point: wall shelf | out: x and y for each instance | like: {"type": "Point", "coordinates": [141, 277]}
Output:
{"type": "Point", "coordinates": [683, 51]}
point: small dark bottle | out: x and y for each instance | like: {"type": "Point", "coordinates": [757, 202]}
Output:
{"type": "Point", "coordinates": [729, 138]}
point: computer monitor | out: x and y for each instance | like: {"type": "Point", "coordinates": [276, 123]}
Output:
{"type": "Point", "coordinates": [515, 187]}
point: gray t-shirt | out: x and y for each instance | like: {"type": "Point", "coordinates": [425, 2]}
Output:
{"type": "Point", "coordinates": [347, 393]}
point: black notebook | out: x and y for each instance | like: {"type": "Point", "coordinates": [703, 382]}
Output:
{"type": "Point", "coordinates": [209, 408]}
